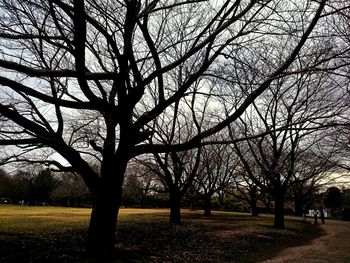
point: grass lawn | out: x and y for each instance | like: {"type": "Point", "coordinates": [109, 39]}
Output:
{"type": "Point", "coordinates": [56, 234]}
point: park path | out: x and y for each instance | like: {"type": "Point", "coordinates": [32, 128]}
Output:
{"type": "Point", "coordinates": [332, 246]}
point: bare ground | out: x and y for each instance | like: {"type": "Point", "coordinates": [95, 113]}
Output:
{"type": "Point", "coordinates": [332, 246]}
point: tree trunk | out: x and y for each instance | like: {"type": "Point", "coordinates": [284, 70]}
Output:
{"type": "Point", "coordinates": [279, 212]}
{"type": "Point", "coordinates": [175, 206]}
{"type": "Point", "coordinates": [103, 221]}
{"type": "Point", "coordinates": [102, 228]}
{"type": "Point", "coordinates": [207, 206]}
{"type": "Point", "coordinates": [298, 207]}
{"type": "Point", "coordinates": [143, 202]}
{"type": "Point", "coordinates": [254, 207]}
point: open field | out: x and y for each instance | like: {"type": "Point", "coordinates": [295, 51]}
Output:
{"type": "Point", "coordinates": [55, 234]}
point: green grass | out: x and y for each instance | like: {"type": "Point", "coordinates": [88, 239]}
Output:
{"type": "Point", "coordinates": [55, 234]}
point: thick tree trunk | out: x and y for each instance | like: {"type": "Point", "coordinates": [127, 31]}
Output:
{"type": "Point", "coordinates": [175, 206]}
{"type": "Point", "coordinates": [107, 199]}
{"type": "Point", "coordinates": [254, 207]}
{"type": "Point", "coordinates": [207, 206]}
{"type": "Point", "coordinates": [279, 212]}
{"type": "Point", "coordinates": [102, 228]}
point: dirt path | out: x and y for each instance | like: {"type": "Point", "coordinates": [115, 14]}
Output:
{"type": "Point", "coordinates": [333, 246]}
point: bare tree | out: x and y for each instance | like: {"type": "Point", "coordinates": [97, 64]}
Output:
{"type": "Point", "coordinates": [70, 190]}
{"type": "Point", "coordinates": [141, 182]}
{"type": "Point", "coordinates": [294, 113]}
{"type": "Point", "coordinates": [216, 173]}
{"type": "Point", "coordinates": [178, 173]}
{"type": "Point", "coordinates": [245, 189]}
{"type": "Point", "coordinates": [313, 170]}
{"type": "Point", "coordinates": [88, 78]}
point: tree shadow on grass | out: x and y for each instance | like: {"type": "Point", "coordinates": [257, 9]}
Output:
{"type": "Point", "coordinates": [42, 247]}
{"type": "Point", "coordinates": [198, 239]}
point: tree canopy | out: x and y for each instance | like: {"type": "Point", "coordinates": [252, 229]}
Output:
{"type": "Point", "coordinates": [97, 81]}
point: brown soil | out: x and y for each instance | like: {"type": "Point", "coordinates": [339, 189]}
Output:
{"type": "Point", "coordinates": [332, 246]}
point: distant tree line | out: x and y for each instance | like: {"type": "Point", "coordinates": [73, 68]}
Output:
{"type": "Point", "coordinates": [38, 186]}
{"type": "Point", "coordinates": [235, 193]}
